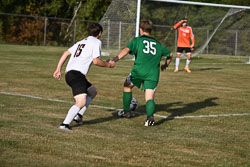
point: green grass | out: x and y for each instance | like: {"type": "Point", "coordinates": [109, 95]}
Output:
{"type": "Point", "coordinates": [29, 134]}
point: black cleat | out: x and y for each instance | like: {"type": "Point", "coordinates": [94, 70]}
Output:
{"type": "Point", "coordinates": [78, 119]}
{"type": "Point", "coordinates": [124, 114]}
{"type": "Point", "coordinates": [150, 121]}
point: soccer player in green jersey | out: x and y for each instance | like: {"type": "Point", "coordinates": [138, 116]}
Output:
{"type": "Point", "coordinates": [148, 53]}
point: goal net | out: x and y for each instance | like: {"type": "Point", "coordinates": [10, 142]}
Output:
{"type": "Point", "coordinates": [119, 23]}
{"type": "Point", "coordinates": [219, 32]}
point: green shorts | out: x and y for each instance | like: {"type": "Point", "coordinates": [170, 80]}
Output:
{"type": "Point", "coordinates": [146, 84]}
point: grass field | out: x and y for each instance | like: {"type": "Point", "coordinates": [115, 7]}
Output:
{"type": "Point", "coordinates": [203, 118]}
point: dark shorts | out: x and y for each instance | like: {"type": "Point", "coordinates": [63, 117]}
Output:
{"type": "Point", "coordinates": [78, 82]}
{"type": "Point", "coordinates": [181, 49]}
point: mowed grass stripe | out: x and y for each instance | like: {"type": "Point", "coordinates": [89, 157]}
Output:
{"type": "Point", "coordinates": [29, 127]}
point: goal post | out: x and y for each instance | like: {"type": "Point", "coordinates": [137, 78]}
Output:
{"type": "Point", "coordinates": [219, 29]}
{"type": "Point", "coordinates": [138, 18]}
{"type": "Point", "coordinates": [233, 9]}
{"type": "Point", "coordinates": [204, 4]}
{"type": "Point", "coordinates": [185, 2]}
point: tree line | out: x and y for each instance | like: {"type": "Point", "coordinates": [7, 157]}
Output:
{"type": "Point", "coordinates": [30, 31]}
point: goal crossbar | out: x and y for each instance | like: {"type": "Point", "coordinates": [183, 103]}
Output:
{"type": "Point", "coordinates": [204, 4]}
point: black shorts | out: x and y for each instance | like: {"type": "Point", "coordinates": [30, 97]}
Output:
{"type": "Point", "coordinates": [77, 81]}
{"type": "Point", "coordinates": [181, 49]}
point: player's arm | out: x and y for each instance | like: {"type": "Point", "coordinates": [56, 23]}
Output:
{"type": "Point", "coordinates": [177, 25]}
{"type": "Point", "coordinates": [99, 62]}
{"type": "Point", "coordinates": [167, 62]}
{"type": "Point", "coordinates": [57, 73]}
{"type": "Point", "coordinates": [193, 41]}
{"type": "Point", "coordinates": [169, 56]}
{"type": "Point", "coordinates": [123, 53]}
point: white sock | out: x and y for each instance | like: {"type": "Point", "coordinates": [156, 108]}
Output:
{"type": "Point", "coordinates": [187, 63]}
{"type": "Point", "coordinates": [177, 62]}
{"type": "Point", "coordinates": [82, 111]}
{"type": "Point", "coordinates": [71, 114]}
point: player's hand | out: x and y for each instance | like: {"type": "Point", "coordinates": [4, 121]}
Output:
{"type": "Point", "coordinates": [192, 48]}
{"type": "Point", "coordinates": [111, 64]}
{"type": "Point", "coordinates": [57, 75]}
{"type": "Point", "coordinates": [163, 67]}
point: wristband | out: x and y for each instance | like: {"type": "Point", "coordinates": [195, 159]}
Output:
{"type": "Point", "coordinates": [116, 59]}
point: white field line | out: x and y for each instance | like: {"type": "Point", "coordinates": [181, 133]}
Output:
{"type": "Point", "coordinates": [112, 108]}
{"type": "Point", "coordinates": [220, 63]}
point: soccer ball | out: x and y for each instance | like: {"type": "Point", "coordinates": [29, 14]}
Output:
{"type": "Point", "coordinates": [133, 104]}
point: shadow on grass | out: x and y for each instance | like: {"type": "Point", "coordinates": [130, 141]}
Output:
{"type": "Point", "coordinates": [179, 109]}
{"type": "Point", "coordinates": [184, 109]}
{"type": "Point", "coordinates": [202, 69]}
{"type": "Point", "coordinates": [207, 69]}
{"type": "Point", "coordinates": [98, 120]}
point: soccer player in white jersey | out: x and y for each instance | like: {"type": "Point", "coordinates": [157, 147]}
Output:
{"type": "Point", "coordinates": [83, 54]}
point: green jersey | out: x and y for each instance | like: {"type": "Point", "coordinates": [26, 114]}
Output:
{"type": "Point", "coordinates": [148, 53]}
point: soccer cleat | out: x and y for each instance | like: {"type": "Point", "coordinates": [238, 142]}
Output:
{"type": "Point", "coordinates": [176, 70]}
{"type": "Point", "coordinates": [78, 119]}
{"type": "Point", "coordinates": [150, 121]}
{"type": "Point", "coordinates": [187, 69]}
{"type": "Point", "coordinates": [64, 127]}
{"type": "Point", "coordinates": [124, 114]}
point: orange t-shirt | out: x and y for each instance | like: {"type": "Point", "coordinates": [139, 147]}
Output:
{"type": "Point", "coordinates": [184, 36]}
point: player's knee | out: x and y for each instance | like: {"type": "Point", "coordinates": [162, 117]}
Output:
{"type": "Point", "coordinates": [92, 92]}
{"type": "Point", "coordinates": [127, 84]}
{"type": "Point", "coordinates": [80, 103]}
{"type": "Point", "coordinates": [149, 98]}
{"type": "Point", "coordinates": [189, 56]}
{"type": "Point", "coordinates": [127, 89]}
{"type": "Point", "coordinates": [170, 56]}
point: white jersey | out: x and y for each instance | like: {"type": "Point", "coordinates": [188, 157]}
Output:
{"type": "Point", "coordinates": [83, 53]}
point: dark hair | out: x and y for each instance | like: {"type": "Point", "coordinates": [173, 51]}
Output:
{"type": "Point", "coordinates": [146, 25]}
{"type": "Point", "coordinates": [94, 29]}
{"type": "Point", "coordinates": [186, 19]}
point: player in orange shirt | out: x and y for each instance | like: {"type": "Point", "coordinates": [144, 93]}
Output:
{"type": "Point", "coordinates": [185, 34]}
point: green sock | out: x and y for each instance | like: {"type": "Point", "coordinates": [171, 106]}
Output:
{"type": "Point", "coordinates": [150, 108]}
{"type": "Point", "coordinates": [127, 96]}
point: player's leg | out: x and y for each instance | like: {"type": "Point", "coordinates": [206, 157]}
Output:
{"type": "Point", "coordinates": [188, 62]}
{"type": "Point", "coordinates": [127, 97]}
{"type": "Point", "coordinates": [150, 106]}
{"type": "Point", "coordinates": [150, 88]}
{"type": "Point", "coordinates": [177, 60]}
{"type": "Point", "coordinates": [78, 83]}
{"type": "Point", "coordinates": [80, 101]}
{"type": "Point", "coordinates": [91, 93]}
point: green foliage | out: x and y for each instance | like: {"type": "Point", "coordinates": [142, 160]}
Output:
{"type": "Point", "coordinates": [1, 31]}
{"type": "Point", "coordinates": [93, 10]}
{"type": "Point", "coordinates": [90, 10]}
{"type": "Point", "coordinates": [30, 32]}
